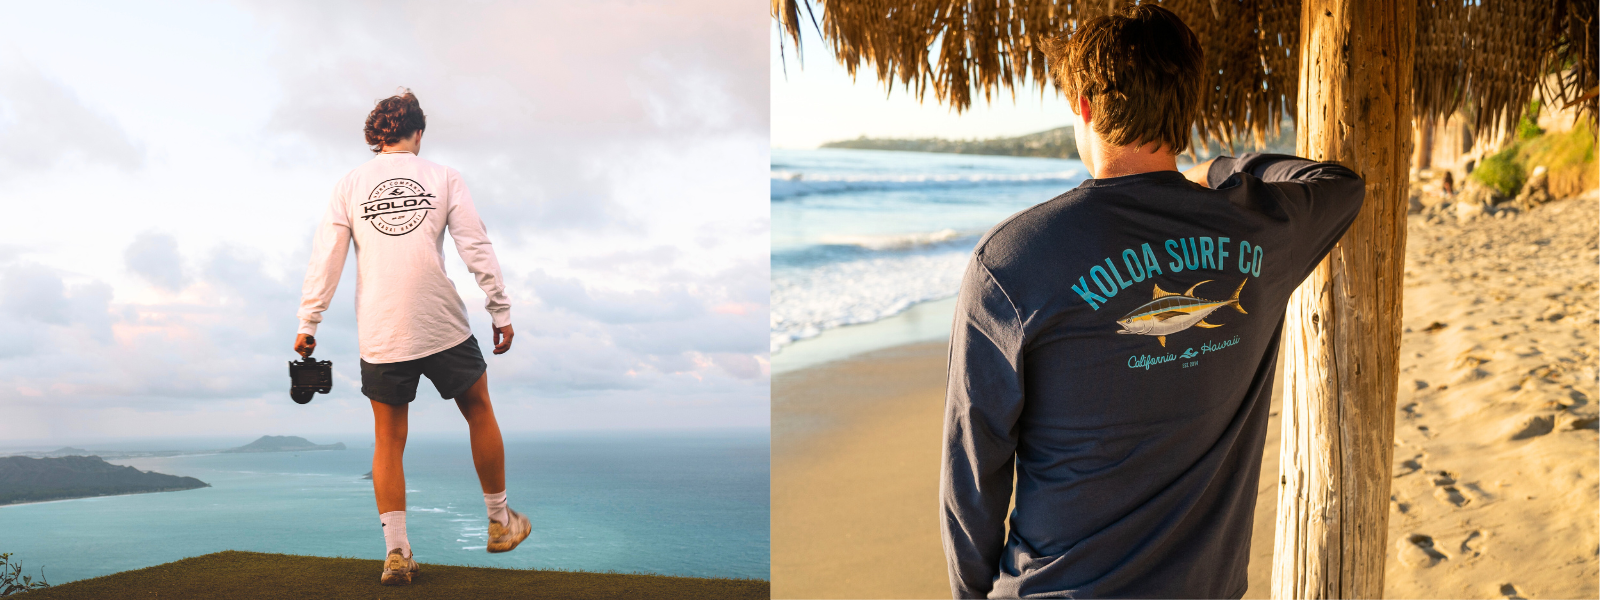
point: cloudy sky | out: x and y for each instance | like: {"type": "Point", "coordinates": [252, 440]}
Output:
{"type": "Point", "coordinates": [814, 100]}
{"type": "Point", "coordinates": [163, 166]}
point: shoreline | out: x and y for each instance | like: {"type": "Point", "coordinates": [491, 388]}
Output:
{"type": "Point", "coordinates": [922, 322]}
{"type": "Point", "coordinates": [54, 500]}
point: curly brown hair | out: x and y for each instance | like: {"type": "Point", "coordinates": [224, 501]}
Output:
{"type": "Point", "coordinates": [1142, 70]}
{"type": "Point", "coordinates": [394, 118]}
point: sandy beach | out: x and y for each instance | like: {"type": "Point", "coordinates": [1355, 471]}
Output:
{"type": "Point", "coordinates": [1495, 485]}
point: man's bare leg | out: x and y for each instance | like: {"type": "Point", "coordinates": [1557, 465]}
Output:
{"type": "Point", "coordinates": [388, 472]}
{"type": "Point", "coordinates": [389, 486]}
{"type": "Point", "coordinates": [488, 450]}
{"type": "Point", "coordinates": [507, 527]}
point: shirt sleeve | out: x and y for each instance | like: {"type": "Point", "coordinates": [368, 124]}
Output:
{"type": "Point", "coordinates": [329, 246]}
{"type": "Point", "coordinates": [1321, 199]}
{"type": "Point", "coordinates": [983, 402]}
{"type": "Point", "coordinates": [472, 243]}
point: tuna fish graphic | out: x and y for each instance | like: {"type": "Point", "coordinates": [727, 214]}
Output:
{"type": "Point", "coordinates": [1169, 313]}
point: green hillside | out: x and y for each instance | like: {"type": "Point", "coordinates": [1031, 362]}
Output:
{"type": "Point", "coordinates": [24, 479]}
{"type": "Point", "coordinates": [243, 575]}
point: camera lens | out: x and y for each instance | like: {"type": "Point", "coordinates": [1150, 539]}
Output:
{"type": "Point", "coordinates": [301, 396]}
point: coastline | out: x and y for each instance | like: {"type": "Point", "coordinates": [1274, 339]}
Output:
{"type": "Point", "coordinates": [69, 499]}
{"type": "Point", "coordinates": [920, 323]}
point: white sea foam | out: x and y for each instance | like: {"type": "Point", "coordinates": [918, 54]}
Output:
{"type": "Point", "coordinates": [789, 184]}
{"type": "Point", "coordinates": [807, 302]}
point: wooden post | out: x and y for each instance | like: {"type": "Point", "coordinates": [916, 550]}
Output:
{"type": "Point", "coordinates": [1342, 332]}
{"type": "Point", "coordinates": [1424, 150]}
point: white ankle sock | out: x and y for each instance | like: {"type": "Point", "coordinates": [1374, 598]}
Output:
{"type": "Point", "coordinates": [497, 507]}
{"type": "Point", "coordinates": [394, 532]}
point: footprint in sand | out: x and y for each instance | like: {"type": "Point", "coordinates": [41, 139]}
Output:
{"type": "Point", "coordinates": [1400, 505]}
{"type": "Point", "coordinates": [1477, 493]}
{"type": "Point", "coordinates": [1578, 398]}
{"type": "Point", "coordinates": [1443, 478]}
{"type": "Point", "coordinates": [1475, 544]}
{"type": "Point", "coordinates": [1417, 551]}
{"type": "Point", "coordinates": [1530, 426]}
{"type": "Point", "coordinates": [1408, 466]}
{"type": "Point", "coordinates": [1577, 422]}
{"type": "Point", "coordinates": [1450, 495]}
{"type": "Point", "coordinates": [1445, 489]}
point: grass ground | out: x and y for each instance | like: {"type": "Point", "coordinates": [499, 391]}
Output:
{"type": "Point", "coordinates": [270, 576]}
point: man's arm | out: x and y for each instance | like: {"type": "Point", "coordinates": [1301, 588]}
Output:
{"type": "Point", "coordinates": [472, 243]}
{"type": "Point", "coordinates": [983, 400]}
{"type": "Point", "coordinates": [328, 249]}
{"type": "Point", "coordinates": [1320, 199]}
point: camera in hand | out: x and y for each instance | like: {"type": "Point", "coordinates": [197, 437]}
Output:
{"type": "Point", "coordinates": [308, 377]}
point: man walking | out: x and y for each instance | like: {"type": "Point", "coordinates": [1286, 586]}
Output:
{"type": "Point", "coordinates": [396, 208]}
{"type": "Point", "coordinates": [1113, 348]}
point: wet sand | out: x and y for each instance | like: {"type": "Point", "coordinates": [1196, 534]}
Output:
{"type": "Point", "coordinates": [1495, 460]}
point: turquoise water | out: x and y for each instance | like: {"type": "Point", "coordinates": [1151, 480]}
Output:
{"type": "Point", "coordinates": [693, 504]}
{"type": "Point", "coordinates": [860, 236]}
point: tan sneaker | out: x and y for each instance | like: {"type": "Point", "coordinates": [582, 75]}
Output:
{"type": "Point", "coordinates": [503, 538]}
{"type": "Point", "coordinates": [397, 568]}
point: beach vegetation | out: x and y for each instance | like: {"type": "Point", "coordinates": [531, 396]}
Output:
{"type": "Point", "coordinates": [1501, 172]}
{"type": "Point", "coordinates": [13, 582]}
{"type": "Point", "coordinates": [1528, 125]}
{"type": "Point", "coordinates": [1569, 157]}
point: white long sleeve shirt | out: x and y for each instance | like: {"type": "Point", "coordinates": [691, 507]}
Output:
{"type": "Point", "coordinates": [396, 208]}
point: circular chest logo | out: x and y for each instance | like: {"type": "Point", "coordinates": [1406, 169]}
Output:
{"type": "Point", "coordinates": [397, 206]}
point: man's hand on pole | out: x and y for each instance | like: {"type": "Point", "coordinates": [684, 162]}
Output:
{"type": "Point", "coordinates": [304, 344]}
{"type": "Point", "coordinates": [502, 339]}
{"type": "Point", "coordinates": [1198, 173]}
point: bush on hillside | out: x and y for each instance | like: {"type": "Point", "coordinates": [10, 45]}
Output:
{"type": "Point", "coordinates": [1569, 155]}
{"type": "Point", "coordinates": [1528, 125]}
{"type": "Point", "coordinates": [1501, 172]}
{"type": "Point", "coordinates": [13, 582]}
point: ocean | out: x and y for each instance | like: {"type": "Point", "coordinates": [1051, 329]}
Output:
{"type": "Point", "coordinates": [692, 504]}
{"type": "Point", "coordinates": [859, 236]}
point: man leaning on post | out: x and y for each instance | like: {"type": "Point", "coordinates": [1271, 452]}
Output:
{"type": "Point", "coordinates": [1114, 348]}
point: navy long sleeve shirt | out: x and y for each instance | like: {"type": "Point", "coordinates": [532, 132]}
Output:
{"type": "Point", "coordinates": [1113, 350]}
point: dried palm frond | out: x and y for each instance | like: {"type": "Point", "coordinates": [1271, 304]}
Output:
{"type": "Point", "coordinates": [1570, 53]}
{"type": "Point", "coordinates": [958, 49]}
{"type": "Point", "coordinates": [1483, 57]}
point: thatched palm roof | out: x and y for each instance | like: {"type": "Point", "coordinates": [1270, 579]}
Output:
{"type": "Point", "coordinates": [1485, 57]}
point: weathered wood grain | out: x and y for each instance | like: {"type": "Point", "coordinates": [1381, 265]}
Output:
{"type": "Point", "coordinates": [1343, 325]}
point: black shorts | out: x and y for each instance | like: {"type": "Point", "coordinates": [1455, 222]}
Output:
{"type": "Point", "coordinates": [452, 371]}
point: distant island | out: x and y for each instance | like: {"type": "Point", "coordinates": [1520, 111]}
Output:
{"type": "Point", "coordinates": [283, 443]}
{"type": "Point", "coordinates": [24, 479]}
{"type": "Point", "coordinates": [1055, 143]}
